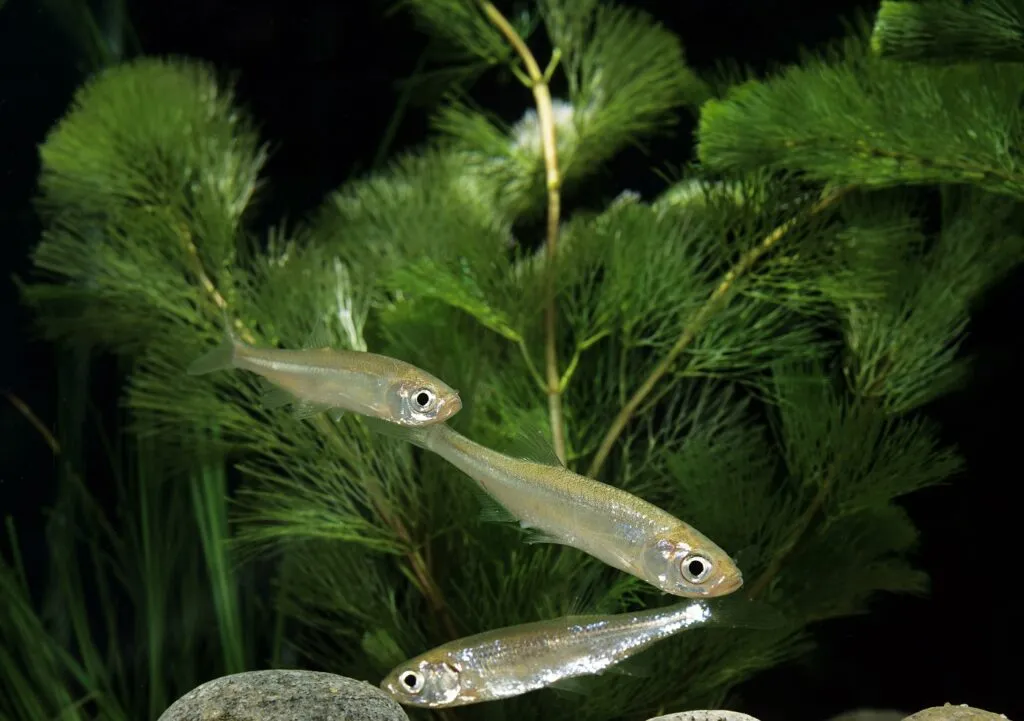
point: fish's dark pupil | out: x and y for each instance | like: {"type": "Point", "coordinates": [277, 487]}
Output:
{"type": "Point", "coordinates": [695, 567]}
{"type": "Point", "coordinates": [423, 398]}
{"type": "Point", "coordinates": [409, 680]}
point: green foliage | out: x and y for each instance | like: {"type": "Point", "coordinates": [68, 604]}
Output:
{"type": "Point", "coordinates": [949, 31]}
{"type": "Point", "coordinates": [143, 603]}
{"type": "Point", "coordinates": [904, 342]}
{"type": "Point", "coordinates": [767, 332]}
{"type": "Point", "coordinates": [855, 119]}
{"type": "Point", "coordinates": [626, 75]}
{"type": "Point", "coordinates": [463, 24]}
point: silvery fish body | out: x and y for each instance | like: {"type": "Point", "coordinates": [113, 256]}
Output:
{"type": "Point", "coordinates": [324, 379]}
{"type": "Point", "coordinates": [514, 660]}
{"type": "Point", "coordinates": [608, 523]}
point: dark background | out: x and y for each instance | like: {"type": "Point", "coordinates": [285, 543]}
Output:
{"type": "Point", "coordinates": [319, 76]}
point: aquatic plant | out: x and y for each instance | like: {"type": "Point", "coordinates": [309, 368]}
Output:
{"type": "Point", "coordinates": [750, 350]}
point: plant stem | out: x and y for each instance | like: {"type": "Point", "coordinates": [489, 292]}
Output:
{"type": "Point", "coordinates": [32, 418]}
{"type": "Point", "coordinates": [714, 302]}
{"type": "Point", "coordinates": [546, 120]}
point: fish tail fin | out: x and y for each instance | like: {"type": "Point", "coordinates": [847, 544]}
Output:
{"type": "Point", "coordinates": [220, 358]}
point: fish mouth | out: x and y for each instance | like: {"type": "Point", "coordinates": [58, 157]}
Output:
{"type": "Point", "coordinates": [450, 407]}
{"type": "Point", "coordinates": [728, 585]}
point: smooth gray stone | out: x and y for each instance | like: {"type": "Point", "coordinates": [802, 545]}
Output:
{"type": "Point", "coordinates": [283, 695]}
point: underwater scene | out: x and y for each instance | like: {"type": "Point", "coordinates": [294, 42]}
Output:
{"type": "Point", "coordinates": [512, 361]}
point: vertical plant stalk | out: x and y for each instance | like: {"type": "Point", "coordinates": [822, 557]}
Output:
{"type": "Point", "coordinates": [420, 569]}
{"type": "Point", "coordinates": [155, 599]}
{"type": "Point", "coordinates": [538, 84]}
{"type": "Point", "coordinates": [715, 301]}
{"type": "Point", "coordinates": [209, 494]}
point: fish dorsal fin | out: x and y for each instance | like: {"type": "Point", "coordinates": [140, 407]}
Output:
{"type": "Point", "coordinates": [580, 604]}
{"type": "Point", "coordinates": [530, 443]}
{"type": "Point", "coordinates": [319, 337]}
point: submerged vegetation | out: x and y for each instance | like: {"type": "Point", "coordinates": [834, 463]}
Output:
{"type": "Point", "coordinates": [750, 351]}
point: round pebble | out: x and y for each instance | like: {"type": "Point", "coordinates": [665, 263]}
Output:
{"type": "Point", "coordinates": [285, 695]}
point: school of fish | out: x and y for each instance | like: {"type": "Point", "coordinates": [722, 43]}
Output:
{"type": "Point", "coordinates": [553, 504]}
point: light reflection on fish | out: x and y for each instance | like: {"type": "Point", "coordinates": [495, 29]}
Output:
{"type": "Point", "coordinates": [517, 659]}
{"type": "Point", "coordinates": [614, 526]}
{"type": "Point", "coordinates": [324, 379]}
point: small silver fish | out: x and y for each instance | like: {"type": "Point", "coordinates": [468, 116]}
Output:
{"type": "Point", "coordinates": [324, 379]}
{"type": "Point", "coordinates": [610, 524]}
{"type": "Point", "coordinates": [514, 660]}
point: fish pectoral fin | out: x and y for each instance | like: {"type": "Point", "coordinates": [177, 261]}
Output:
{"type": "Point", "coordinates": [274, 397]}
{"type": "Point", "coordinates": [535, 535]}
{"type": "Point", "coordinates": [490, 510]}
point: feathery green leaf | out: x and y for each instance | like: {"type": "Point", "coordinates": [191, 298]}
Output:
{"type": "Point", "coordinates": [950, 31]}
{"type": "Point", "coordinates": [854, 119]}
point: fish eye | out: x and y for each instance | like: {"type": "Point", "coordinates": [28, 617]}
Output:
{"type": "Point", "coordinates": [423, 398]}
{"type": "Point", "coordinates": [412, 681]}
{"type": "Point", "coordinates": [696, 569]}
